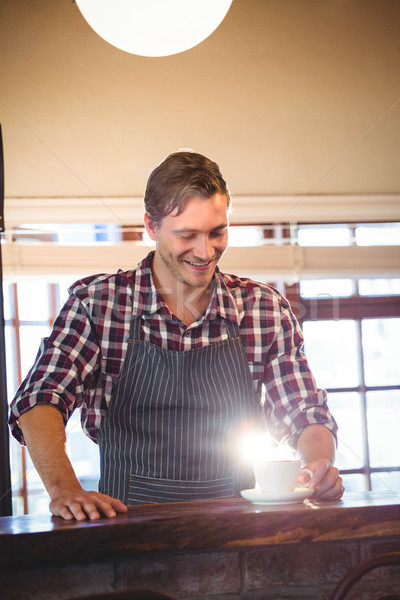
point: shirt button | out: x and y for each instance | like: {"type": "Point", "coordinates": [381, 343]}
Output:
{"type": "Point", "coordinates": [187, 333]}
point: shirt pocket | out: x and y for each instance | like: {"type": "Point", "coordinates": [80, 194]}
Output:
{"type": "Point", "coordinates": [110, 371]}
{"type": "Point", "coordinates": [111, 366]}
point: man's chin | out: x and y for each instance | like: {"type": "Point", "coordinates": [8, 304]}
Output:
{"type": "Point", "coordinates": [200, 280]}
{"type": "Point", "coordinates": [196, 282]}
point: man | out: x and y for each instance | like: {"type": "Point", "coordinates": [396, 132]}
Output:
{"type": "Point", "coordinates": [168, 364]}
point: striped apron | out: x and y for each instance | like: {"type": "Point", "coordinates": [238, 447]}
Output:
{"type": "Point", "coordinates": [173, 425]}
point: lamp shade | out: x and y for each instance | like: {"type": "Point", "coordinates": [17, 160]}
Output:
{"type": "Point", "coordinates": [154, 27]}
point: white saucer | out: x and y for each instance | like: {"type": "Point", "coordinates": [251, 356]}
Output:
{"type": "Point", "coordinates": [257, 497]}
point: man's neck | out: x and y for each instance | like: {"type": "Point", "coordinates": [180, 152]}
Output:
{"type": "Point", "coordinates": [187, 303]}
{"type": "Point", "coordinates": [190, 307]}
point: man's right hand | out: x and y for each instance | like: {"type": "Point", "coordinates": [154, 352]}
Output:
{"type": "Point", "coordinates": [44, 433]}
{"type": "Point", "coordinates": [80, 504]}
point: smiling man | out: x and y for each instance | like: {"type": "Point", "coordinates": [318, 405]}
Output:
{"type": "Point", "coordinates": [171, 363]}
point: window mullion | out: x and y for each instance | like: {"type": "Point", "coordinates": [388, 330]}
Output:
{"type": "Point", "coordinates": [364, 420]}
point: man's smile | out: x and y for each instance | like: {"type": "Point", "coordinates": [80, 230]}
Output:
{"type": "Point", "coordinates": [199, 265]}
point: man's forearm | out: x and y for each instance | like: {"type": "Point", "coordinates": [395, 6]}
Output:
{"type": "Point", "coordinates": [316, 442]}
{"type": "Point", "coordinates": [44, 433]}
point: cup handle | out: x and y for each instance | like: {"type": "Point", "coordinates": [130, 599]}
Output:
{"type": "Point", "coordinates": [308, 472]}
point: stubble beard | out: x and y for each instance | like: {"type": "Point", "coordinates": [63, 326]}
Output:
{"type": "Point", "coordinates": [173, 266]}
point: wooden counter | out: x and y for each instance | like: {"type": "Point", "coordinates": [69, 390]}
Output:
{"type": "Point", "coordinates": [209, 527]}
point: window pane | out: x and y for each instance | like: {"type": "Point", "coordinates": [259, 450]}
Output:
{"type": "Point", "coordinates": [331, 348]}
{"type": "Point", "coordinates": [16, 476]}
{"type": "Point", "coordinates": [326, 288]}
{"type": "Point", "coordinates": [6, 301]}
{"type": "Point", "coordinates": [379, 234]}
{"type": "Point", "coordinates": [64, 283]}
{"type": "Point", "coordinates": [386, 481]}
{"type": "Point", "coordinates": [346, 408]}
{"type": "Point", "coordinates": [324, 235]}
{"type": "Point", "coordinates": [245, 236]}
{"type": "Point", "coordinates": [11, 371]}
{"type": "Point", "coordinates": [83, 453]}
{"type": "Point", "coordinates": [355, 483]}
{"type": "Point", "coordinates": [379, 287]}
{"type": "Point", "coordinates": [383, 415]}
{"type": "Point", "coordinates": [33, 301]}
{"type": "Point", "coordinates": [30, 336]}
{"type": "Point", "coordinates": [87, 233]}
{"type": "Point", "coordinates": [381, 351]}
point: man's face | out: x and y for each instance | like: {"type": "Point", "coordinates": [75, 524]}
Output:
{"type": "Point", "coordinates": [189, 245]}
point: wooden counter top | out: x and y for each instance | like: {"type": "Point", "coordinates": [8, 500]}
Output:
{"type": "Point", "coordinates": [200, 525]}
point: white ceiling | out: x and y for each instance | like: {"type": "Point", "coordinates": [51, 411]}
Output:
{"type": "Point", "coordinates": [289, 97]}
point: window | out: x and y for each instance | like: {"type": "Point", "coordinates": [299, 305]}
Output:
{"type": "Point", "coordinates": [351, 327]}
{"type": "Point", "coordinates": [342, 234]}
{"type": "Point", "coordinates": [352, 347]}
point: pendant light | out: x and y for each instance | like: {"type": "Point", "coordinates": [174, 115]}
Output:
{"type": "Point", "coordinates": [154, 27]}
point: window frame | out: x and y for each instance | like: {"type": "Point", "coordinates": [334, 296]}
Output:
{"type": "Point", "coordinates": [356, 308]}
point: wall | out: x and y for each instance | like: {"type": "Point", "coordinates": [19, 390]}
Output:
{"type": "Point", "coordinates": [289, 97]}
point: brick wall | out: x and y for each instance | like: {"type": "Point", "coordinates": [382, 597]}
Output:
{"type": "Point", "coordinates": [307, 571]}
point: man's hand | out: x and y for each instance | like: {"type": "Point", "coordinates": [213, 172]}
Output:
{"type": "Point", "coordinates": [326, 481]}
{"type": "Point", "coordinates": [316, 446]}
{"type": "Point", "coordinates": [80, 504]}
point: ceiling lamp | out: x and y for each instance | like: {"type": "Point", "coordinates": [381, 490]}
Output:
{"type": "Point", "coordinates": [154, 27]}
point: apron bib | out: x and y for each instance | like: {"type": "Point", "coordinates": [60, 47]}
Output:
{"type": "Point", "coordinates": [169, 433]}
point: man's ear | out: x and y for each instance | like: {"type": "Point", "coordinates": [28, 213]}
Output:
{"type": "Point", "coordinates": [150, 226]}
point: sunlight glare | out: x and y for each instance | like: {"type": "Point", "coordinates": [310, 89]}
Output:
{"type": "Point", "coordinates": [256, 446]}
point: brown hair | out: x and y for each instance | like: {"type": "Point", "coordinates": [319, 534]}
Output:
{"type": "Point", "coordinates": [179, 176]}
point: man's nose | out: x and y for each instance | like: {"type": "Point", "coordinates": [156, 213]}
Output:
{"type": "Point", "coordinates": [203, 249]}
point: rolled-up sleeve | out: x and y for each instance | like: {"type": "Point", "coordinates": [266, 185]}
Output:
{"type": "Point", "coordinates": [292, 400]}
{"type": "Point", "coordinates": [65, 366]}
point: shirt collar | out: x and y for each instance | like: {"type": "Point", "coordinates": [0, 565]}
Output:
{"type": "Point", "coordinates": [146, 299]}
{"type": "Point", "coordinates": [222, 302]}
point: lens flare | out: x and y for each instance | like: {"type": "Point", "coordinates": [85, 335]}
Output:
{"type": "Point", "coordinates": [255, 447]}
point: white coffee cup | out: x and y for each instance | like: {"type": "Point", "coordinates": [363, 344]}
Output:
{"type": "Point", "coordinates": [276, 476]}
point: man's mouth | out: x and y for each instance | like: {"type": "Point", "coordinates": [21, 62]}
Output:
{"type": "Point", "coordinates": [199, 265]}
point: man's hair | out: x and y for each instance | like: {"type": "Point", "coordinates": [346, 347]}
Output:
{"type": "Point", "coordinates": [181, 175]}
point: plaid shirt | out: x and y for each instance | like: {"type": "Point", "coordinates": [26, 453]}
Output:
{"type": "Point", "coordinates": [78, 364]}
